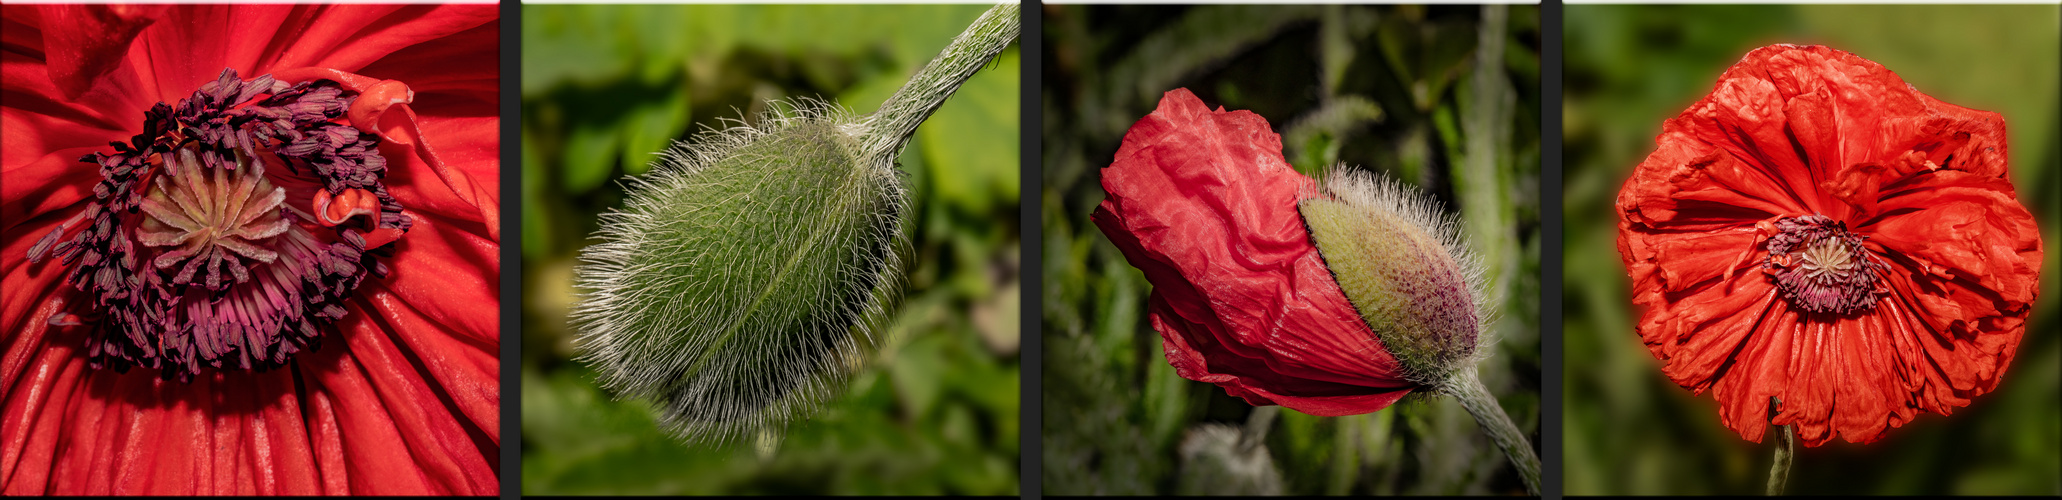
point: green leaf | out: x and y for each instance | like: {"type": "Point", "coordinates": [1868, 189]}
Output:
{"type": "Point", "coordinates": [590, 156]}
{"type": "Point", "coordinates": [569, 44]}
{"type": "Point", "coordinates": [918, 373]}
{"type": "Point", "coordinates": [650, 127]}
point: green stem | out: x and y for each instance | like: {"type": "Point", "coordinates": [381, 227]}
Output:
{"type": "Point", "coordinates": [1786, 449]}
{"type": "Point", "coordinates": [891, 127]}
{"type": "Point", "coordinates": [1468, 388]}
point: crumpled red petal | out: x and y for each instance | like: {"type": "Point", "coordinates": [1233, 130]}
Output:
{"type": "Point", "coordinates": [1793, 131]}
{"type": "Point", "coordinates": [403, 397]}
{"type": "Point", "coordinates": [1203, 202]}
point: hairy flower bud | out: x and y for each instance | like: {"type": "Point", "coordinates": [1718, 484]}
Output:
{"type": "Point", "coordinates": [736, 283]}
{"type": "Point", "coordinates": [730, 286]}
{"type": "Point", "coordinates": [1402, 264]}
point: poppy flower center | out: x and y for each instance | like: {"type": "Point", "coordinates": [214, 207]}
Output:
{"type": "Point", "coordinates": [229, 233]}
{"type": "Point", "coordinates": [1820, 266]}
{"type": "Point", "coordinates": [218, 222]}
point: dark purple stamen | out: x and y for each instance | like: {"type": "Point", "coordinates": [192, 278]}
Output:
{"type": "Point", "coordinates": [1821, 267]}
{"type": "Point", "coordinates": [194, 258]}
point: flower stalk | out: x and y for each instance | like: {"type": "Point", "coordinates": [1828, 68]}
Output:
{"type": "Point", "coordinates": [1786, 449]}
{"type": "Point", "coordinates": [1467, 387]}
{"type": "Point", "coordinates": [891, 127]}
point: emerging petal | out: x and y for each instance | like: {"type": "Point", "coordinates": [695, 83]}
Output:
{"type": "Point", "coordinates": [1203, 202]}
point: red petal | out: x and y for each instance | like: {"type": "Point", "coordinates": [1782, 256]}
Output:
{"type": "Point", "coordinates": [373, 101]}
{"type": "Point", "coordinates": [1697, 335]}
{"type": "Point", "coordinates": [400, 435]}
{"type": "Point", "coordinates": [35, 375]}
{"type": "Point", "coordinates": [448, 282]}
{"type": "Point", "coordinates": [350, 37]}
{"type": "Point", "coordinates": [1193, 348]}
{"type": "Point", "coordinates": [104, 433]}
{"type": "Point", "coordinates": [55, 184]}
{"type": "Point", "coordinates": [191, 44]}
{"type": "Point", "coordinates": [1689, 261]}
{"type": "Point", "coordinates": [450, 76]}
{"type": "Point", "coordinates": [86, 42]}
{"type": "Point", "coordinates": [1203, 202]}
{"type": "Point", "coordinates": [39, 119]}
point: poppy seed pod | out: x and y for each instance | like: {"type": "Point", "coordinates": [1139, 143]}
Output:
{"type": "Point", "coordinates": [1402, 264]}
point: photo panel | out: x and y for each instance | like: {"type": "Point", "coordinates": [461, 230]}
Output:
{"type": "Point", "coordinates": [1801, 257]}
{"type": "Point", "coordinates": [250, 249]}
{"type": "Point", "coordinates": [770, 249]}
{"type": "Point", "coordinates": [1290, 249]}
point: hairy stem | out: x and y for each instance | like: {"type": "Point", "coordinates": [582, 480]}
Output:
{"type": "Point", "coordinates": [891, 127]}
{"type": "Point", "coordinates": [1468, 388]}
{"type": "Point", "coordinates": [1786, 448]}
{"type": "Point", "coordinates": [1257, 425]}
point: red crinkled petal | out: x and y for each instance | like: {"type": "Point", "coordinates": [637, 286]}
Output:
{"type": "Point", "coordinates": [1793, 131]}
{"type": "Point", "coordinates": [403, 398]}
{"type": "Point", "coordinates": [1204, 204]}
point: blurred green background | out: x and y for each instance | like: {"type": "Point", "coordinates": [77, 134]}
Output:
{"type": "Point", "coordinates": [1445, 98]}
{"type": "Point", "coordinates": [1628, 430]}
{"type": "Point", "coordinates": [606, 87]}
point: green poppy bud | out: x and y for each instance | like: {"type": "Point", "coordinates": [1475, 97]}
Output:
{"type": "Point", "coordinates": [735, 286]}
{"type": "Point", "coordinates": [729, 287]}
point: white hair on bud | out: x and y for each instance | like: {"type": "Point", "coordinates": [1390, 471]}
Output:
{"type": "Point", "coordinates": [1373, 191]}
{"type": "Point", "coordinates": [734, 286]}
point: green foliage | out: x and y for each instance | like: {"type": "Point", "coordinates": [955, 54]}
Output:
{"type": "Point", "coordinates": [935, 409]}
{"type": "Point", "coordinates": [1355, 85]}
{"type": "Point", "coordinates": [1628, 430]}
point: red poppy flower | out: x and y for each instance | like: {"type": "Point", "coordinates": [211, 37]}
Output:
{"type": "Point", "coordinates": [1203, 202]}
{"type": "Point", "coordinates": [1817, 231]}
{"type": "Point", "coordinates": [249, 250]}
